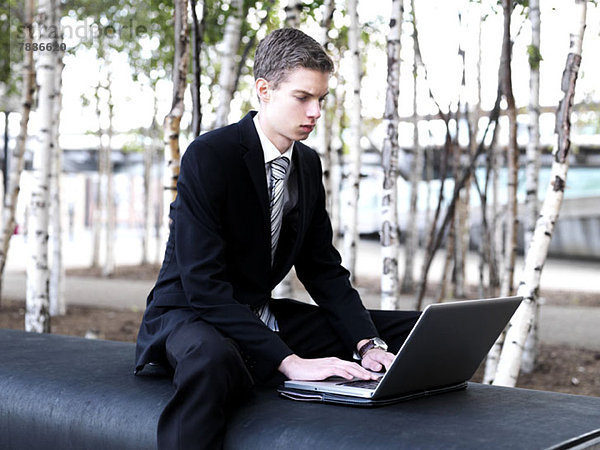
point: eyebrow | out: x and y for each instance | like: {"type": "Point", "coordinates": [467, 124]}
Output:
{"type": "Point", "coordinates": [303, 92]}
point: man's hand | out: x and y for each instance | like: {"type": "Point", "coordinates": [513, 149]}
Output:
{"type": "Point", "coordinates": [376, 359]}
{"type": "Point", "coordinates": [296, 368]}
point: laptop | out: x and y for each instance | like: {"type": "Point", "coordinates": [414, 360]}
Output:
{"type": "Point", "coordinates": [441, 353]}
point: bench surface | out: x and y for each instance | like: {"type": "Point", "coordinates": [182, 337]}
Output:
{"type": "Point", "coordinates": [65, 392]}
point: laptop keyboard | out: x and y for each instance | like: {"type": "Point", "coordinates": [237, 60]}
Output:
{"type": "Point", "coordinates": [365, 384]}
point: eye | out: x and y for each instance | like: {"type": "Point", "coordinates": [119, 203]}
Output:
{"type": "Point", "coordinates": [301, 98]}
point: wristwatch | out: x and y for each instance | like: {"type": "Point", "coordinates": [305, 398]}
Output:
{"type": "Point", "coordinates": [373, 343]}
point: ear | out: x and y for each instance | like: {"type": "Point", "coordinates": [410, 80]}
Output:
{"type": "Point", "coordinates": [262, 90]}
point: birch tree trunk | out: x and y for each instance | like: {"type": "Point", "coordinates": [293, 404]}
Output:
{"type": "Point", "coordinates": [173, 119]}
{"type": "Point", "coordinates": [465, 151]}
{"type": "Point", "coordinates": [231, 42]}
{"type": "Point", "coordinates": [521, 322]}
{"type": "Point", "coordinates": [325, 124]}
{"type": "Point", "coordinates": [147, 233]}
{"type": "Point", "coordinates": [17, 159]}
{"type": "Point", "coordinates": [149, 153]}
{"type": "Point", "coordinates": [351, 227]}
{"type": "Point", "coordinates": [337, 162]}
{"type": "Point", "coordinates": [58, 306]}
{"type": "Point", "coordinates": [495, 261]}
{"type": "Point", "coordinates": [109, 262]}
{"type": "Point", "coordinates": [512, 156]}
{"type": "Point", "coordinates": [532, 167]}
{"type": "Point", "coordinates": [37, 317]}
{"type": "Point", "coordinates": [389, 206]}
{"type": "Point", "coordinates": [416, 167]}
{"type": "Point", "coordinates": [293, 9]}
{"type": "Point", "coordinates": [99, 208]}
{"type": "Point", "coordinates": [197, 38]}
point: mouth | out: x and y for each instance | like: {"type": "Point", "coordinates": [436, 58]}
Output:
{"type": "Point", "coordinates": [307, 128]}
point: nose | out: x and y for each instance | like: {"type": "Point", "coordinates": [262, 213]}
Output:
{"type": "Point", "coordinates": [314, 109]}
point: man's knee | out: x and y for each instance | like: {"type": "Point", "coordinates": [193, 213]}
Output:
{"type": "Point", "coordinates": [199, 344]}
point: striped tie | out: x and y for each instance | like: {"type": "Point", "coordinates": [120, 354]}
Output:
{"type": "Point", "coordinates": [279, 167]}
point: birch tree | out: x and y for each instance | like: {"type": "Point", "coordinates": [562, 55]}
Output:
{"type": "Point", "coordinates": [510, 219]}
{"type": "Point", "coordinates": [37, 318]}
{"type": "Point", "coordinates": [149, 154]}
{"type": "Point", "coordinates": [512, 155]}
{"type": "Point", "coordinates": [293, 9]}
{"type": "Point", "coordinates": [354, 112]}
{"type": "Point", "coordinates": [172, 124]}
{"type": "Point", "coordinates": [98, 197]}
{"type": "Point", "coordinates": [532, 167]}
{"type": "Point", "coordinates": [389, 206]}
{"type": "Point", "coordinates": [416, 167]}
{"type": "Point", "coordinates": [17, 158]}
{"type": "Point", "coordinates": [197, 38]}
{"type": "Point", "coordinates": [57, 269]}
{"type": "Point", "coordinates": [110, 213]}
{"type": "Point", "coordinates": [520, 324]}
{"type": "Point", "coordinates": [231, 44]}
{"type": "Point", "coordinates": [325, 123]}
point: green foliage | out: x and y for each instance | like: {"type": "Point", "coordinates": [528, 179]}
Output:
{"type": "Point", "coordinates": [535, 57]}
{"type": "Point", "coordinates": [133, 146]}
{"type": "Point", "coordinates": [11, 53]}
{"type": "Point", "coordinates": [142, 30]}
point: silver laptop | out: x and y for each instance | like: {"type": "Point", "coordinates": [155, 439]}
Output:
{"type": "Point", "coordinates": [441, 353]}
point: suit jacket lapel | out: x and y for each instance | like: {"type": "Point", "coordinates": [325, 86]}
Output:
{"type": "Point", "coordinates": [255, 161]}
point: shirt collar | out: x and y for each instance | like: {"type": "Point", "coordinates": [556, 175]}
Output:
{"type": "Point", "coordinates": [269, 149]}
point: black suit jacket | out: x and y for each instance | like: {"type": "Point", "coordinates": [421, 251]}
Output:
{"type": "Point", "coordinates": [217, 260]}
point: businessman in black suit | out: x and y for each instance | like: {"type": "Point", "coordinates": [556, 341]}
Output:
{"type": "Point", "coordinates": [250, 205]}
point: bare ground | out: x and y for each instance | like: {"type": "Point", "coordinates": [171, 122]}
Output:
{"type": "Point", "coordinates": [559, 368]}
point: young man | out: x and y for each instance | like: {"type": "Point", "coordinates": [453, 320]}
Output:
{"type": "Point", "coordinates": [250, 205]}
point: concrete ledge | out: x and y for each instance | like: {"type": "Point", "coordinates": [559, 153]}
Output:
{"type": "Point", "coordinates": [71, 393]}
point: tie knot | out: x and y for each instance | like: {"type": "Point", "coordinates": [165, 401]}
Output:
{"type": "Point", "coordinates": [279, 167]}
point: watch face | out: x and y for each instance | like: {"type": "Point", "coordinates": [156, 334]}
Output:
{"type": "Point", "coordinates": [379, 343]}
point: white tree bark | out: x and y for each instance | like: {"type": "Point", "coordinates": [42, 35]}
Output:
{"type": "Point", "coordinates": [389, 206]}
{"type": "Point", "coordinates": [17, 161]}
{"type": "Point", "coordinates": [416, 168]}
{"type": "Point", "coordinates": [510, 245]}
{"type": "Point", "coordinates": [532, 167]}
{"type": "Point", "coordinates": [231, 42]}
{"type": "Point", "coordinates": [37, 317]}
{"type": "Point", "coordinates": [496, 245]}
{"type": "Point", "coordinates": [293, 9]}
{"type": "Point", "coordinates": [354, 112]}
{"type": "Point", "coordinates": [109, 262]}
{"type": "Point", "coordinates": [149, 152]}
{"type": "Point", "coordinates": [172, 124]}
{"type": "Point", "coordinates": [336, 163]}
{"type": "Point", "coordinates": [58, 305]}
{"type": "Point", "coordinates": [520, 324]}
{"type": "Point", "coordinates": [325, 123]}
{"type": "Point", "coordinates": [99, 198]}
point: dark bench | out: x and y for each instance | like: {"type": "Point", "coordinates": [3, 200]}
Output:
{"type": "Point", "coordinates": [59, 392]}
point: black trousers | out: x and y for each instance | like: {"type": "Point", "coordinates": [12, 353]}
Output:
{"type": "Point", "coordinates": [211, 376]}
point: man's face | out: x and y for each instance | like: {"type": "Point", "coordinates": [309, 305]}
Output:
{"type": "Point", "coordinates": [290, 112]}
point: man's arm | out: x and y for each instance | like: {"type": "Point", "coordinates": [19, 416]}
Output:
{"type": "Point", "coordinates": [200, 253]}
{"type": "Point", "coordinates": [319, 268]}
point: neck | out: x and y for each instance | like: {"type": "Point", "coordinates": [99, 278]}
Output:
{"type": "Point", "coordinates": [280, 142]}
